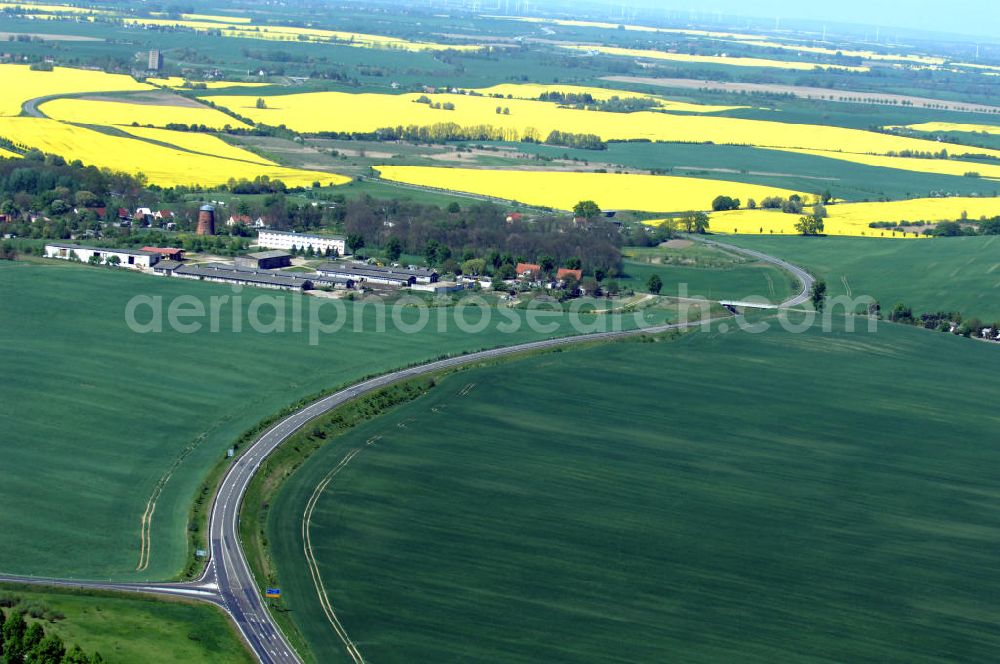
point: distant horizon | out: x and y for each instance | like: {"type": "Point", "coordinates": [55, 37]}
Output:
{"type": "Point", "coordinates": [971, 18]}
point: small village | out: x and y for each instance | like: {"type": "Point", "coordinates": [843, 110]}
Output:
{"type": "Point", "coordinates": [293, 261]}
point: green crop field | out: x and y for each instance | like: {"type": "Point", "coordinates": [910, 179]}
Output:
{"type": "Point", "coordinates": [173, 632]}
{"type": "Point", "coordinates": [807, 173]}
{"type": "Point", "coordinates": [100, 415]}
{"type": "Point", "coordinates": [699, 271]}
{"type": "Point", "coordinates": [960, 274]}
{"type": "Point", "coordinates": [723, 497]}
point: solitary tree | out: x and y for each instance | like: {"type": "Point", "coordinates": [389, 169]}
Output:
{"type": "Point", "coordinates": [700, 222]}
{"type": "Point", "coordinates": [13, 634]}
{"type": "Point", "coordinates": [261, 103]}
{"type": "Point", "coordinates": [49, 651]}
{"type": "Point", "coordinates": [810, 225]}
{"type": "Point", "coordinates": [725, 203]}
{"type": "Point", "coordinates": [655, 284]}
{"type": "Point", "coordinates": [393, 249]}
{"type": "Point", "coordinates": [586, 209]}
{"type": "Point", "coordinates": [354, 241]}
{"type": "Point", "coordinates": [818, 295]}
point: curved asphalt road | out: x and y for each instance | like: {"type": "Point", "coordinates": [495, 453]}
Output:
{"type": "Point", "coordinates": [804, 277]}
{"type": "Point", "coordinates": [227, 580]}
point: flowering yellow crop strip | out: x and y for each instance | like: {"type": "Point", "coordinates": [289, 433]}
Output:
{"type": "Point", "coordinates": [289, 33]}
{"type": "Point", "coordinates": [20, 84]}
{"type": "Point", "coordinates": [919, 165]}
{"type": "Point", "coordinates": [787, 43]}
{"type": "Point", "coordinates": [7, 154]}
{"type": "Point", "coordinates": [217, 19]}
{"type": "Point", "coordinates": [364, 113]}
{"type": "Point", "coordinates": [625, 26]}
{"type": "Point", "coordinates": [712, 59]}
{"type": "Point", "coordinates": [89, 111]}
{"type": "Point", "coordinates": [162, 165]}
{"type": "Point", "coordinates": [534, 91]}
{"type": "Point", "coordinates": [865, 55]}
{"type": "Point", "coordinates": [951, 126]}
{"type": "Point", "coordinates": [853, 218]}
{"type": "Point", "coordinates": [52, 8]}
{"type": "Point", "coordinates": [563, 190]}
{"type": "Point", "coordinates": [197, 142]}
{"type": "Point", "coordinates": [971, 65]}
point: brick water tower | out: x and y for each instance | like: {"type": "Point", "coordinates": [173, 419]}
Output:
{"type": "Point", "coordinates": [206, 220]}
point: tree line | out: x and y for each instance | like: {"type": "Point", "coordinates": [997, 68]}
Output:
{"type": "Point", "coordinates": [24, 642]}
{"type": "Point", "coordinates": [476, 231]}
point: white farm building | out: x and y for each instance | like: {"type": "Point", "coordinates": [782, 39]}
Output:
{"type": "Point", "coordinates": [125, 257]}
{"type": "Point", "coordinates": [285, 241]}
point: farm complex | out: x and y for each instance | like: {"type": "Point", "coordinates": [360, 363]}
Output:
{"type": "Point", "coordinates": [398, 331]}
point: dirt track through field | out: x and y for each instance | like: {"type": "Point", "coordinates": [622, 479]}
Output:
{"type": "Point", "coordinates": [803, 92]}
{"type": "Point", "coordinates": [314, 572]}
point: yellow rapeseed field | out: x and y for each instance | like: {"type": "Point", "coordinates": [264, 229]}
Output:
{"type": "Point", "coordinates": [853, 218]}
{"type": "Point", "coordinates": [534, 91]}
{"type": "Point", "coordinates": [89, 111]}
{"type": "Point", "coordinates": [950, 126]}
{"type": "Point", "coordinates": [625, 26]}
{"type": "Point", "coordinates": [21, 84]}
{"type": "Point", "coordinates": [711, 59]}
{"type": "Point", "coordinates": [866, 55]}
{"type": "Point", "coordinates": [787, 43]}
{"type": "Point", "coordinates": [217, 19]}
{"type": "Point", "coordinates": [197, 142]}
{"type": "Point", "coordinates": [288, 33]}
{"type": "Point", "coordinates": [971, 65]}
{"type": "Point", "coordinates": [7, 154]}
{"type": "Point", "coordinates": [562, 190]}
{"type": "Point", "coordinates": [51, 8]}
{"type": "Point", "coordinates": [347, 112]}
{"type": "Point", "coordinates": [938, 166]}
{"type": "Point", "coordinates": [161, 165]}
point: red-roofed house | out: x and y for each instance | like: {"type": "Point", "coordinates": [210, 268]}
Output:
{"type": "Point", "coordinates": [524, 269]}
{"type": "Point", "coordinates": [164, 214]}
{"type": "Point", "coordinates": [513, 216]}
{"type": "Point", "coordinates": [566, 272]}
{"type": "Point", "coordinates": [169, 253]}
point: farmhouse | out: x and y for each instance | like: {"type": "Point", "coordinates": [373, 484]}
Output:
{"type": "Point", "coordinates": [245, 220]}
{"type": "Point", "coordinates": [566, 272]}
{"type": "Point", "coordinates": [264, 260]}
{"type": "Point", "coordinates": [527, 269]}
{"type": "Point", "coordinates": [166, 253]}
{"type": "Point", "coordinates": [286, 241]}
{"type": "Point", "coordinates": [125, 257]}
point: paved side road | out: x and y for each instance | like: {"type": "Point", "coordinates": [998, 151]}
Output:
{"type": "Point", "coordinates": [227, 580]}
{"type": "Point", "coordinates": [804, 277]}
